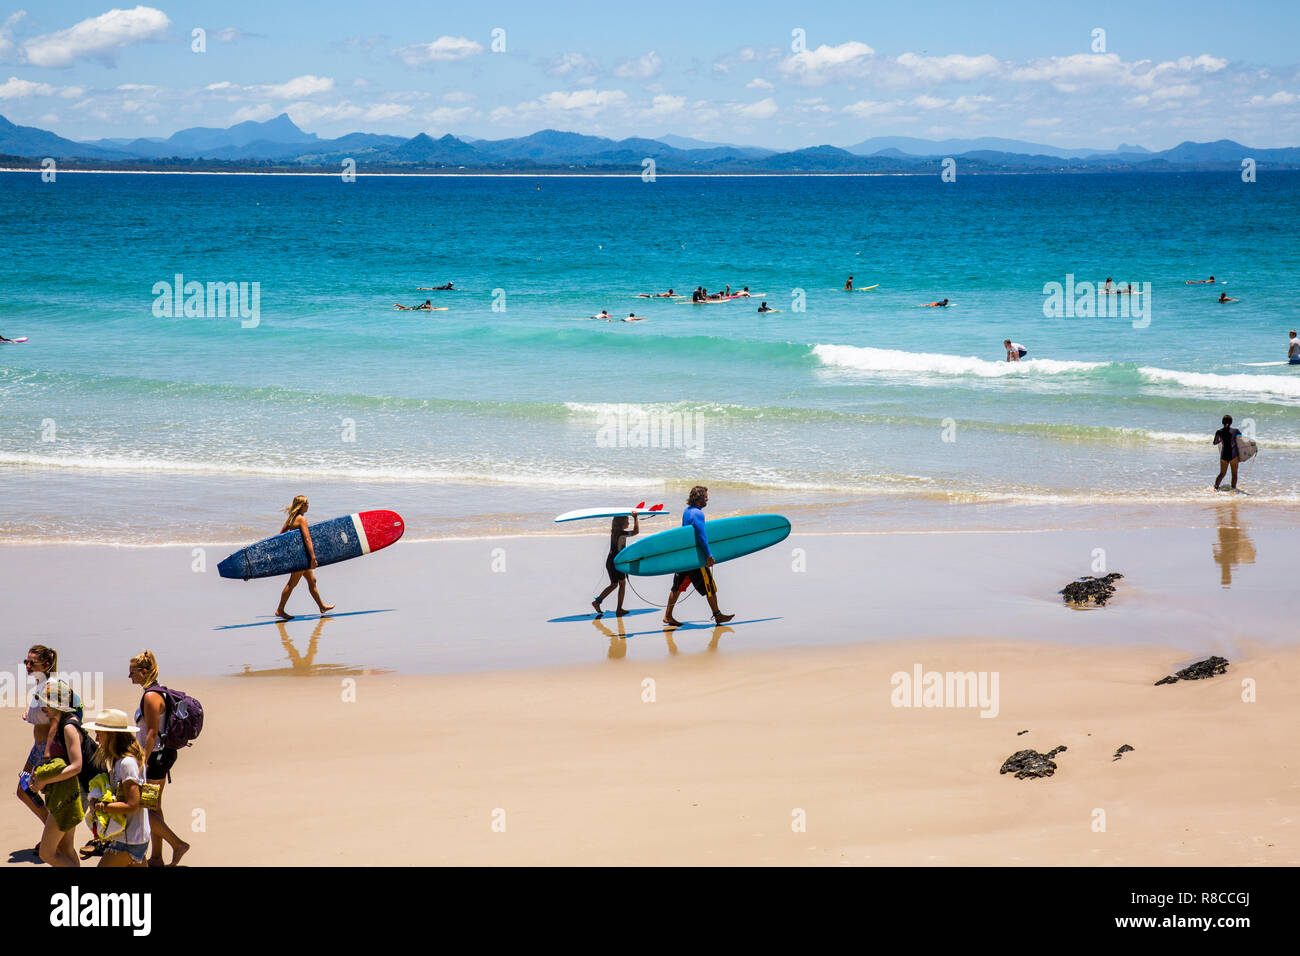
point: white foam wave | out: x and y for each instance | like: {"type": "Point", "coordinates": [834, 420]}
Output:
{"type": "Point", "coordinates": [1285, 385]}
{"type": "Point", "coordinates": [893, 361]}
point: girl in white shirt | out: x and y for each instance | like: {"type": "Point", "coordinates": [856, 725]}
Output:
{"type": "Point", "coordinates": [119, 753]}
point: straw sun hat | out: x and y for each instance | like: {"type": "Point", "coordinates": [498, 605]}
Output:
{"type": "Point", "coordinates": [111, 721]}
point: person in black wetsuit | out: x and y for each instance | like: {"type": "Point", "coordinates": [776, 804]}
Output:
{"type": "Point", "coordinates": [1227, 438]}
{"type": "Point", "coordinates": [618, 535]}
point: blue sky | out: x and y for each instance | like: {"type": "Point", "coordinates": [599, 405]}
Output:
{"type": "Point", "coordinates": [729, 72]}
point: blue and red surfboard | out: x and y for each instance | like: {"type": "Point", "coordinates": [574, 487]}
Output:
{"type": "Point", "coordinates": [333, 541]}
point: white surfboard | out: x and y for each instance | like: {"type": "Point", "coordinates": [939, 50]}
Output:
{"type": "Point", "coordinates": [611, 512]}
{"type": "Point", "coordinates": [1246, 448]}
{"type": "Point", "coordinates": [17, 341]}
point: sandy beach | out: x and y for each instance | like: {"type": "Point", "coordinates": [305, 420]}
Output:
{"type": "Point", "coordinates": [466, 699]}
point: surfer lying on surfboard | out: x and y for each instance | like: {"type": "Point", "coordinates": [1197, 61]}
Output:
{"type": "Point", "coordinates": [1209, 281]}
{"type": "Point", "coordinates": [618, 535]}
{"type": "Point", "coordinates": [1223, 297]}
{"type": "Point", "coordinates": [297, 511]}
{"type": "Point", "coordinates": [942, 304]}
{"type": "Point", "coordinates": [670, 294]}
{"type": "Point", "coordinates": [434, 288]}
{"type": "Point", "coordinates": [702, 578]}
{"type": "Point", "coordinates": [427, 307]}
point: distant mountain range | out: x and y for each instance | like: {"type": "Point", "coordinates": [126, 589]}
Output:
{"type": "Point", "coordinates": [278, 144]}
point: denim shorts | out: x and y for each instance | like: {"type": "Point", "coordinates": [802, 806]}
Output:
{"type": "Point", "coordinates": [35, 757]}
{"type": "Point", "coordinates": [136, 850]}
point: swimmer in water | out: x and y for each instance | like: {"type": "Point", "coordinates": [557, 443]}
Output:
{"type": "Point", "coordinates": [764, 308]}
{"type": "Point", "coordinates": [848, 286]}
{"type": "Point", "coordinates": [1223, 297]}
{"type": "Point", "coordinates": [633, 317]}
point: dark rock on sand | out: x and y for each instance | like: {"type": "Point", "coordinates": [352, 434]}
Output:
{"type": "Point", "coordinates": [1030, 763]}
{"type": "Point", "coordinates": [1022, 733]}
{"type": "Point", "coordinates": [1090, 590]}
{"type": "Point", "coordinates": [1125, 748]}
{"type": "Point", "coordinates": [1210, 667]}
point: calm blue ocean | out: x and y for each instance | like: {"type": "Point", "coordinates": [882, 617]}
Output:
{"type": "Point", "coordinates": [119, 425]}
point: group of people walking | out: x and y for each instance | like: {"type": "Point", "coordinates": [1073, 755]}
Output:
{"type": "Point", "coordinates": [113, 782]}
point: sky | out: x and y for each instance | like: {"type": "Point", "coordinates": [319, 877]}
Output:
{"type": "Point", "coordinates": [781, 75]}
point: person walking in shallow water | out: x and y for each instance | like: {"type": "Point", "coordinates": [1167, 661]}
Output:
{"type": "Point", "coordinates": [1226, 438]}
{"type": "Point", "coordinates": [297, 520]}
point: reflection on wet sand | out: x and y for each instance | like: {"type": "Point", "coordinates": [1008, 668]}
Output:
{"type": "Point", "coordinates": [304, 665]}
{"type": "Point", "coordinates": [1234, 546]}
{"type": "Point", "coordinates": [618, 640]}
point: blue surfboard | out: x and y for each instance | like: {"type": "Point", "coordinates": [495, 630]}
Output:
{"type": "Point", "coordinates": [335, 540]}
{"type": "Point", "coordinates": [671, 551]}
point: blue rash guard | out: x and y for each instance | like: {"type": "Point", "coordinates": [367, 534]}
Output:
{"type": "Point", "coordinates": [695, 518]}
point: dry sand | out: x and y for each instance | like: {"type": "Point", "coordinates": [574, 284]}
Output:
{"type": "Point", "coordinates": [581, 769]}
{"type": "Point", "coordinates": [470, 701]}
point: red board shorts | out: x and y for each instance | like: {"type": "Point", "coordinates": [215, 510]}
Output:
{"type": "Point", "coordinates": [702, 578]}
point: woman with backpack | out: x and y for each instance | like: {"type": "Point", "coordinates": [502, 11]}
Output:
{"type": "Point", "coordinates": [119, 753]}
{"type": "Point", "coordinates": [67, 743]}
{"type": "Point", "coordinates": [152, 720]}
{"type": "Point", "coordinates": [41, 662]}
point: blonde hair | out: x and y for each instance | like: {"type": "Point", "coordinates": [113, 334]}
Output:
{"type": "Point", "coordinates": [297, 507]}
{"type": "Point", "coordinates": [146, 660]}
{"type": "Point", "coordinates": [113, 746]}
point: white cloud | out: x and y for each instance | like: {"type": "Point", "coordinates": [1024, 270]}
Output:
{"type": "Point", "coordinates": [457, 96]}
{"type": "Point", "coordinates": [586, 104]}
{"type": "Point", "coordinates": [97, 38]}
{"type": "Point", "coordinates": [758, 83]}
{"type": "Point", "coordinates": [665, 105]}
{"type": "Point", "coordinates": [441, 50]}
{"type": "Point", "coordinates": [641, 68]}
{"type": "Point", "coordinates": [445, 116]}
{"type": "Point", "coordinates": [818, 66]}
{"type": "Point", "coordinates": [930, 102]}
{"type": "Point", "coordinates": [1280, 98]}
{"type": "Point", "coordinates": [16, 89]}
{"type": "Point", "coordinates": [763, 109]}
{"type": "Point", "coordinates": [571, 64]}
{"type": "Point", "coordinates": [955, 67]}
{"type": "Point", "coordinates": [298, 87]}
{"type": "Point", "coordinates": [865, 109]}
{"type": "Point", "coordinates": [385, 111]}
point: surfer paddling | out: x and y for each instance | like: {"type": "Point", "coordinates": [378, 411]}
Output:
{"type": "Point", "coordinates": [427, 307]}
{"type": "Point", "coordinates": [434, 288]}
{"type": "Point", "coordinates": [941, 304]}
{"type": "Point", "coordinates": [297, 519]}
{"type": "Point", "coordinates": [1223, 297]}
{"type": "Point", "coordinates": [618, 535]}
{"type": "Point", "coordinates": [1226, 438]}
{"type": "Point", "coordinates": [702, 578]}
{"type": "Point", "coordinates": [1209, 281]}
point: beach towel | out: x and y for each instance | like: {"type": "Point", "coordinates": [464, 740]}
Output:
{"type": "Point", "coordinates": [104, 826]}
{"type": "Point", "coordinates": [62, 799]}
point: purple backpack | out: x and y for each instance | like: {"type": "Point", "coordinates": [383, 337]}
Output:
{"type": "Point", "coordinates": [184, 716]}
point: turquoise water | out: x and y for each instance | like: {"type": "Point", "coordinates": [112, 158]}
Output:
{"type": "Point", "coordinates": [482, 418]}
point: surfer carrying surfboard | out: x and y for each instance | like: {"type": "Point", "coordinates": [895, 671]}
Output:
{"type": "Point", "coordinates": [702, 577]}
{"type": "Point", "coordinates": [297, 511]}
{"type": "Point", "coordinates": [1227, 438]}
{"type": "Point", "coordinates": [618, 535]}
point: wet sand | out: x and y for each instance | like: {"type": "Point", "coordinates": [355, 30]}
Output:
{"type": "Point", "coordinates": [480, 686]}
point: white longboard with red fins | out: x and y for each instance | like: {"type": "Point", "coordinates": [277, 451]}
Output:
{"type": "Point", "coordinates": [641, 511]}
